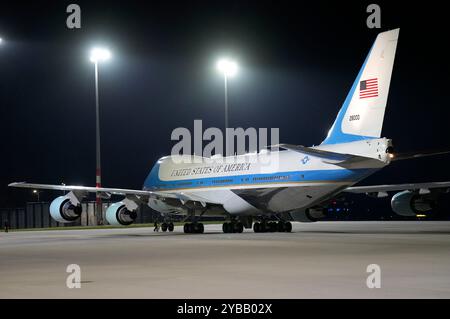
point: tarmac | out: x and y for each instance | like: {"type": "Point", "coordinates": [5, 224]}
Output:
{"type": "Point", "coordinates": [316, 260]}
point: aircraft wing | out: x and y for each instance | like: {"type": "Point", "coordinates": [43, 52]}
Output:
{"type": "Point", "coordinates": [88, 189]}
{"type": "Point", "coordinates": [398, 187]}
{"type": "Point", "coordinates": [81, 190]}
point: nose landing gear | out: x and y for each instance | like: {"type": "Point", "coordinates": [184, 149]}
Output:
{"type": "Point", "coordinates": [167, 227]}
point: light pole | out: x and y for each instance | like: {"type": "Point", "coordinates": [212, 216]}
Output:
{"type": "Point", "coordinates": [98, 55]}
{"type": "Point", "coordinates": [36, 192]}
{"type": "Point", "coordinates": [229, 69]}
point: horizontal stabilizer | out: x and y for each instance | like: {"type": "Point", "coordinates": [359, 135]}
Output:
{"type": "Point", "coordinates": [411, 155]}
{"type": "Point", "coordinates": [332, 156]}
{"type": "Point", "coordinates": [340, 159]}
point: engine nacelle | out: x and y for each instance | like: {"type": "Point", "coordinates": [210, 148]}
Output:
{"type": "Point", "coordinates": [118, 214]}
{"type": "Point", "coordinates": [309, 215]}
{"type": "Point", "coordinates": [64, 211]}
{"type": "Point", "coordinates": [408, 203]}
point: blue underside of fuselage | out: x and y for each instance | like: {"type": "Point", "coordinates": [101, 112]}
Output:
{"type": "Point", "coordinates": [153, 182]}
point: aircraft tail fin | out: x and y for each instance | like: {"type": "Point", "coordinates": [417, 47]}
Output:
{"type": "Point", "coordinates": [362, 113]}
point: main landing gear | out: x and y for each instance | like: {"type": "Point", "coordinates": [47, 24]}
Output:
{"type": "Point", "coordinates": [194, 228]}
{"type": "Point", "coordinates": [265, 227]}
{"type": "Point", "coordinates": [167, 227]}
{"type": "Point", "coordinates": [233, 227]}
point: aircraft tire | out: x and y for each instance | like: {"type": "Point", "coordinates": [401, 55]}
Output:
{"type": "Point", "coordinates": [226, 227]}
{"type": "Point", "coordinates": [199, 228]}
{"type": "Point", "coordinates": [281, 226]}
{"type": "Point", "coordinates": [164, 227]}
{"type": "Point", "coordinates": [272, 227]}
{"type": "Point", "coordinates": [263, 228]}
{"type": "Point", "coordinates": [171, 227]}
{"type": "Point", "coordinates": [288, 227]}
{"type": "Point", "coordinates": [238, 228]}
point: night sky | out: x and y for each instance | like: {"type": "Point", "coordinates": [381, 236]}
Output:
{"type": "Point", "coordinates": [297, 62]}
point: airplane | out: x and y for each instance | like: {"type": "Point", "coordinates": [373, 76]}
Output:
{"type": "Point", "coordinates": [293, 184]}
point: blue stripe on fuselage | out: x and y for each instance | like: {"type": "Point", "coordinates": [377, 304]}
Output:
{"type": "Point", "coordinates": [153, 182]}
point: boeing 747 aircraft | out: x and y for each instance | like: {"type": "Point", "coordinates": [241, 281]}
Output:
{"type": "Point", "coordinates": [294, 184]}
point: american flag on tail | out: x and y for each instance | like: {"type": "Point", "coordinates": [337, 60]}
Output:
{"type": "Point", "coordinates": [368, 88]}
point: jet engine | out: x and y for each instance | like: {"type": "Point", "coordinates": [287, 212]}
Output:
{"type": "Point", "coordinates": [64, 211]}
{"type": "Point", "coordinates": [118, 214]}
{"type": "Point", "coordinates": [408, 203]}
{"type": "Point", "coordinates": [309, 215]}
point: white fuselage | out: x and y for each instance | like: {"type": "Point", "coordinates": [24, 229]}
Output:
{"type": "Point", "coordinates": [261, 183]}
